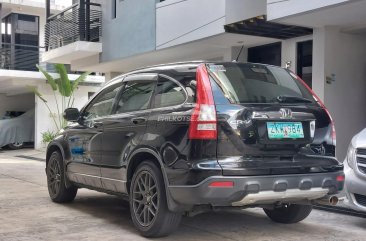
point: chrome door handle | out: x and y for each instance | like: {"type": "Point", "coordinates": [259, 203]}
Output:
{"type": "Point", "coordinates": [130, 134]}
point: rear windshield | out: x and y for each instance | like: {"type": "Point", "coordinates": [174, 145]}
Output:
{"type": "Point", "coordinates": [255, 83]}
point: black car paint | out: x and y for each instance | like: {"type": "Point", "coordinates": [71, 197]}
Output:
{"type": "Point", "coordinates": [100, 154]}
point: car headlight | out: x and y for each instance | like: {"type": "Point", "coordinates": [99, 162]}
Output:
{"type": "Point", "coordinates": [351, 156]}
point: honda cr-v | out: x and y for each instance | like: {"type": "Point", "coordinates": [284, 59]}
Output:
{"type": "Point", "coordinates": [186, 138]}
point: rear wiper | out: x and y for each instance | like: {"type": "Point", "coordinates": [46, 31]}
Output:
{"type": "Point", "coordinates": [292, 99]}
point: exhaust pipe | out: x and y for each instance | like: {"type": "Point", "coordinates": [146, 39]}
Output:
{"type": "Point", "coordinates": [328, 200]}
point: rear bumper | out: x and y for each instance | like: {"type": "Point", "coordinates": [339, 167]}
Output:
{"type": "Point", "coordinates": [257, 190]}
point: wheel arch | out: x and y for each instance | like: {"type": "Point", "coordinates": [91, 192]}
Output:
{"type": "Point", "coordinates": [52, 147]}
{"type": "Point", "coordinates": [56, 146]}
{"type": "Point", "coordinates": [136, 159]}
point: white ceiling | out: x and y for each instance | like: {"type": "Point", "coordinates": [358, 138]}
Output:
{"type": "Point", "coordinates": [208, 48]}
{"type": "Point", "coordinates": [13, 82]}
{"type": "Point", "coordinates": [344, 15]}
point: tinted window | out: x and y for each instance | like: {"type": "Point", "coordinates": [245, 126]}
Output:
{"type": "Point", "coordinates": [103, 103]}
{"type": "Point", "coordinates": [255, 83]}
{"type": "Point", "coordinates": [168, 93]}
{"type": "Point", "coordinates": [135, 96]}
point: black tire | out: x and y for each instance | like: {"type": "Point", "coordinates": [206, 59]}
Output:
{"type": "Point", "coordinates": [57, 189]}
{"type": "Point", "coordinates": [292, 213]}
{"type": "Point", "coordinates": [16, 146]}
{"type": "Point", "coordinates": [147, 194]}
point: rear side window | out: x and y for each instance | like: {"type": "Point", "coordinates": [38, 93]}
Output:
{"type": "Point", "coordinates": [135, 96]}
{"type": "Point", "coordinates": [168, 93]}
{"type": "Point", "coordinates": [254, 83]}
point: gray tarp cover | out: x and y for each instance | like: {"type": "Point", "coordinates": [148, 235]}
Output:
{"type": "Point", "coordinates": [18, 129]}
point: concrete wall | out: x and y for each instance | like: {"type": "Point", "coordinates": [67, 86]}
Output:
{"type": "Point", "coordinates": [43, 119]}
{"type": "Point", "coordinates": [279, 8]}
{"type": "Point", "coordinates": [131, 32]}
{"type": "Point", "coordinates": [341, 57]}
{"type": "Point", "coordinates": [238, 10]}
{"type": "Point", "coordinates": [179, 21]}
{"type": "Point", "coordinates": [22, 102]}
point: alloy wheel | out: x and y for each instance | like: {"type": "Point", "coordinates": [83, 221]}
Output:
{"type": "Point", "coordinates": [145, 200]}
{"type": "Point", "coordinates": [17, 144]}
{"type": "Point", "coordinates": [54, 176]}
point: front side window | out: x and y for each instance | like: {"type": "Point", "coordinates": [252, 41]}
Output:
{"type": "Point", "coordinates": [102, 105]}
{"type": "Point", "coordinates": [135, 96]}
{"type": "Point", "coordinates": [168, 93]}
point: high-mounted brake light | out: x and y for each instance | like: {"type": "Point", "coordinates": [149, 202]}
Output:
{"type": "Point", "coordinates": [333, 131]}
{"type": "Point", "coordinates": [203, 123]}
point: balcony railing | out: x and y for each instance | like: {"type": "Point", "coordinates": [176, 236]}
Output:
{"type": "Point", "coordinates": [19, 56]}
{"type": "Point", "coordinates": [79, 22]}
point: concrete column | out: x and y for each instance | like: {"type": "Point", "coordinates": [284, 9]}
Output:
{"type": "Point", "coordinates": [232, 53]}
{"type": "Point", "coordinates": [339, 78]}
{"type": "Point", "coordinates": [1, 18]}
{"type": "Point", "coordinates": [43, 118]}
{"type": "Point", "coordinates": [289, 51]}
{"type": "Point", "coordinates": [111, 75]}
{"type": "Point", "coordinates": [319, 46]}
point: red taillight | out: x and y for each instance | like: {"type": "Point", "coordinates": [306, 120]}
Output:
{"type": "Point", "coordinates": [203, 123]}
{"type": "Point", "coordinates": [333, 133]}
{"type": "Point", "coordinates": [221, 184]}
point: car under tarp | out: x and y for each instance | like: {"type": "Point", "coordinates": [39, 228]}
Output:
{"type": "Point", "coordinates": [17, 130]}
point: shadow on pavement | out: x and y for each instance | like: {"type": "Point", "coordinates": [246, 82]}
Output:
{"type": "Point", "coordinates": [224, 225]}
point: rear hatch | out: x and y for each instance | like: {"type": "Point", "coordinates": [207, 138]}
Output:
{"type": "Point", "coordinates": [269, 122]}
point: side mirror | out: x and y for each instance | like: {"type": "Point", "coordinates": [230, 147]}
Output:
{"type": "Point", "coordinates": [71, 114]}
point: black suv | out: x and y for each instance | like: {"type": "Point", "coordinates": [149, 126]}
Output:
{"type": "Point", "coordinates": [186, 138]}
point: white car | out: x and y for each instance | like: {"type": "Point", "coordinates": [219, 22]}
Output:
{"type": "Point", "coordinates": [355, 171]}
{"type": "Point", "coordinates": [14, 132]}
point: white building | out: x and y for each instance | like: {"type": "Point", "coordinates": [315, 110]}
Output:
{"type": "Point", "coordinates": [22, 31]}
{"type": "Point", "coordinates": [322, 41]}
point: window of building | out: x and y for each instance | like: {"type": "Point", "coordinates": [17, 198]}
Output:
{"type": "Point", "coordinates": [114, 9]}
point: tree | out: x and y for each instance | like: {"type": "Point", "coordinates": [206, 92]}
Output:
{"type": "Point", "coordinates": [62, 87]}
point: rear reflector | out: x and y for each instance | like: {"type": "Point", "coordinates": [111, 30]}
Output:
{"type": "Point", "coordinates": [203, 123]}
{"type": "Point", "coordinates": [221, 184]}
{"type": "Point", "coordinates": [340, 178]}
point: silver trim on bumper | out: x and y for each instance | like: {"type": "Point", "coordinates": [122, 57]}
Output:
{"type": "Point", "coordinates": [286, 196]}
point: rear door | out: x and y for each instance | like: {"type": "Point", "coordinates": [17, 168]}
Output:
{"type": "Point", "coordinates": [124, 129]}
{"type": "Point", "coordinates": [268, 122]}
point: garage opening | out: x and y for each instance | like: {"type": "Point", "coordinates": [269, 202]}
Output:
{"type": "Point", "coordinates": [17, 120]}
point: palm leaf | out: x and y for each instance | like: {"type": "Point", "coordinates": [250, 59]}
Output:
{"type": "Point", "coordinates": [64, 82]}
{"type": "Point", "coordinates": [37, 93]}
{"type": "Point", "coordinates": [49, 78]}
{"type": "Point", "coordinates": [80, 79]}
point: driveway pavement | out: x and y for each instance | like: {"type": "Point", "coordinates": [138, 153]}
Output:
{"type": "Point", "coordinates": [26, 213]}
